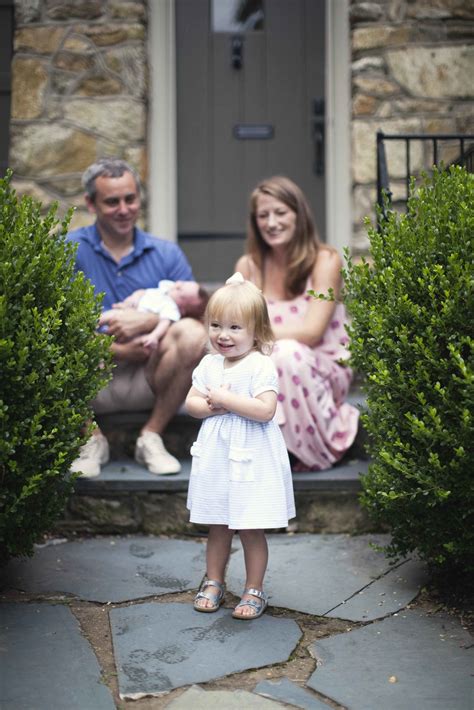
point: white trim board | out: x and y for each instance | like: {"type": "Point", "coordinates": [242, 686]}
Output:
{"type": "Point", "coordinates": [161, 148]}
{"type": "Point", "coordinates": [338, 113]}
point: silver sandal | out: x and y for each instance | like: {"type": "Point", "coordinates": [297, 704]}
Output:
{"type": "Point", "coordinates": [216, 599]}
{"type": "Point", "coordinates": [259, 604]}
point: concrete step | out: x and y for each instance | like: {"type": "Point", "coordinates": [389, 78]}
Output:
{"type": "Point", "coordinates": [127, 498]}
{"type": "Point", "coordinates": [125, 475]}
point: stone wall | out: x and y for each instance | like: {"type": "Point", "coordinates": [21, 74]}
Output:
{"type": "Point", "coordinates": [79, 92]}
{"type": "Point", "coordinates": [152, 513]}
{"type": "Point", "coordinates": [412, 69]}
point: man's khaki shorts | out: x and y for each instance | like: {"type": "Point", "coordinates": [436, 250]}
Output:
{"type": "Point", "coordinates": [128, 391]}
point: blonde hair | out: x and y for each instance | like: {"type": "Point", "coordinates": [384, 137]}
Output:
{"type": "Point", "coordinates": [303, 249]}
{"type": "Point", "coordinates": [245, 302]}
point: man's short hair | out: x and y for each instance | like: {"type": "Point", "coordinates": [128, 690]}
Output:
{"type": "Point", "coordinates": [106, 167]}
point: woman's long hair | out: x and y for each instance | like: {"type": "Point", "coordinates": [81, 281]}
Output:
{"type": "Point", "coordinates": [303, 248]}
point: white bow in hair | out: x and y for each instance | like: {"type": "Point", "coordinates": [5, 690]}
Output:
{"type": "Point", "coordinates": [236, 278]}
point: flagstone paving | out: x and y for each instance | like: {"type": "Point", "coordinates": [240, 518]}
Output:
{"type": "Point", "coordinates": [290, 693]}
{"type": "Point", "coordinates": [410, 660]}
{"type": "Point", "coordinates": [159, 647]}
{"type": "Point", "coordinates": [111, 569]}
{"type": "Point", "coordinates": [199, 699]}
{"type": "Point", "coordinates": [46, 663]}
{"type": "Point", "coordinates": [379, 653]}
{"type": "Point", "coordinates": [333, 575]}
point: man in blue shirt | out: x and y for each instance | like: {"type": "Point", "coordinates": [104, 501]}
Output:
{"type": "Point", "coordinates": [119, 258]}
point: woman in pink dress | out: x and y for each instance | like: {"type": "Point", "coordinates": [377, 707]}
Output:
{"type": "Point", "coordinates": [285, 258]}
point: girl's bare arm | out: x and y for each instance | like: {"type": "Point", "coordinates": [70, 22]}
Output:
{"type": "Point", "coordinates": [197, 405]}
{"type": "Point", "coordinates": [260, 408]}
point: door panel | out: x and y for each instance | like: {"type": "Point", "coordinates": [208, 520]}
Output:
{"type": "Point", "coordinates": [227, 154]}
{"type": "Point", "coordinates": [194, 99]}
{"type": "Point", "coordinates": [282, 73]}
{"type": "Point", "coordinates": [285, 87]}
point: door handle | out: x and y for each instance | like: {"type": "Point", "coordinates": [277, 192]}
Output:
{"type": "Point", "coordinates": [318, 136]}
{"type": "Point", "coordinates": [236, 51]}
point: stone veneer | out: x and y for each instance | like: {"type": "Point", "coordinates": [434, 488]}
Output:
{"type": "Point", "coordinates": [412, 69]}
{"type": "Point", "coordinates": [79, 92]}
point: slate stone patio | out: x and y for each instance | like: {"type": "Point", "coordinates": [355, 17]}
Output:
{"type": "Point", "coordinates": [396, 659]}
{"type": "Point", "coordinates": [199, 699]}
{"type": "Point", "coordinates": [45, 663]}
{"type": "Point", "coordinates": [410, 660]}
{"type": "Point", "coordinates": [291, 693]}
{"type": "Point", "coordinates": [111, 569]}
{"type": "Point", "coordinates": [159, 647]}
{"type": "Point", "coordinates": [333, 575]}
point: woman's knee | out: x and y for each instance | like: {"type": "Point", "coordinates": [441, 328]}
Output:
{"type": "Point", "coordinates": [287, 354]}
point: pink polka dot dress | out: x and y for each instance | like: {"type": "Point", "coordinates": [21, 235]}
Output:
{"type": "Point", "coordinates": [317, 425]}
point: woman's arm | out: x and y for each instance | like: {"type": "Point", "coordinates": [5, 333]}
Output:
{"type": "Point", "coordinates": [326, 275]}
{"type": "Point", "coordinates": [260, 408]}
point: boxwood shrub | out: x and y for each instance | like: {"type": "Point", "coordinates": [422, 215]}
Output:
{"type": "Point", "coordinates": [51, 365]}
{"type": "Point", "coordinates": [412, 310]}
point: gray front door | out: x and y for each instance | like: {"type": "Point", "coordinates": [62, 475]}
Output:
{"type": "Point", "coordinates": [250, 93]}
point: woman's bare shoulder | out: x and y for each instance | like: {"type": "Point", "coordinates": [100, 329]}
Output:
{"type": "Point", "coordinates": [328, 255]}
{"type": "Point", "coordinates": [327, 258]}
{"type": "Point", "coordinates": [327, 267]}
{"type": "Point", "coordinates": [246, 266]}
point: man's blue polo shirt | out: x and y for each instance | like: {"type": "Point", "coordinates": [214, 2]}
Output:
{"type": "Point", "coordinates": [150, 261]}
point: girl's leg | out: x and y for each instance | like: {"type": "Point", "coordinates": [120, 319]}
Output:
{"type": "Point", "coordinates": [219, 542]}
{"type": "Point", "coordinates": [255, 547]}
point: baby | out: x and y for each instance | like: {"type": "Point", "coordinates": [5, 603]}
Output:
{"type": "Point", "coordinates": [172, 300]}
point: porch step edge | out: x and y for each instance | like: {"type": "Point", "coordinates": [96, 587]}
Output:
{"type": "Point", "coordinates": [125, 474]}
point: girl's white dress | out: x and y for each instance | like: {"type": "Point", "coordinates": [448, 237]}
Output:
{"type": "Point", "coordinates": [241, 474]}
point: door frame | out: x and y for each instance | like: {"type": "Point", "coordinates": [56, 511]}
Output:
{"type": "Point", "coordinates": [162, 137]}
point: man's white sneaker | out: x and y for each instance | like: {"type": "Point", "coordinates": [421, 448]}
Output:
{"type": "Point", "coordinates": [92, 456]}
{"type": "Point", "coordinates": [151, 452]}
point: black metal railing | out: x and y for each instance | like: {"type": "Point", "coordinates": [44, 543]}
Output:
{"type": "Point", "coordinates": [442, 147]}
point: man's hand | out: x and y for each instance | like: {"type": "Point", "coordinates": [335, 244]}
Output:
{"type": "Point", "coordinates": [151, 342]}
{"type": "Point", "coordinates": [127, 323]}
{"type": "Point", "coordinates": [131, 351]}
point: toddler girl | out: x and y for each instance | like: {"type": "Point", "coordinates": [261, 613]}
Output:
{"type": "Point", "coordinates": [240, 477]}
